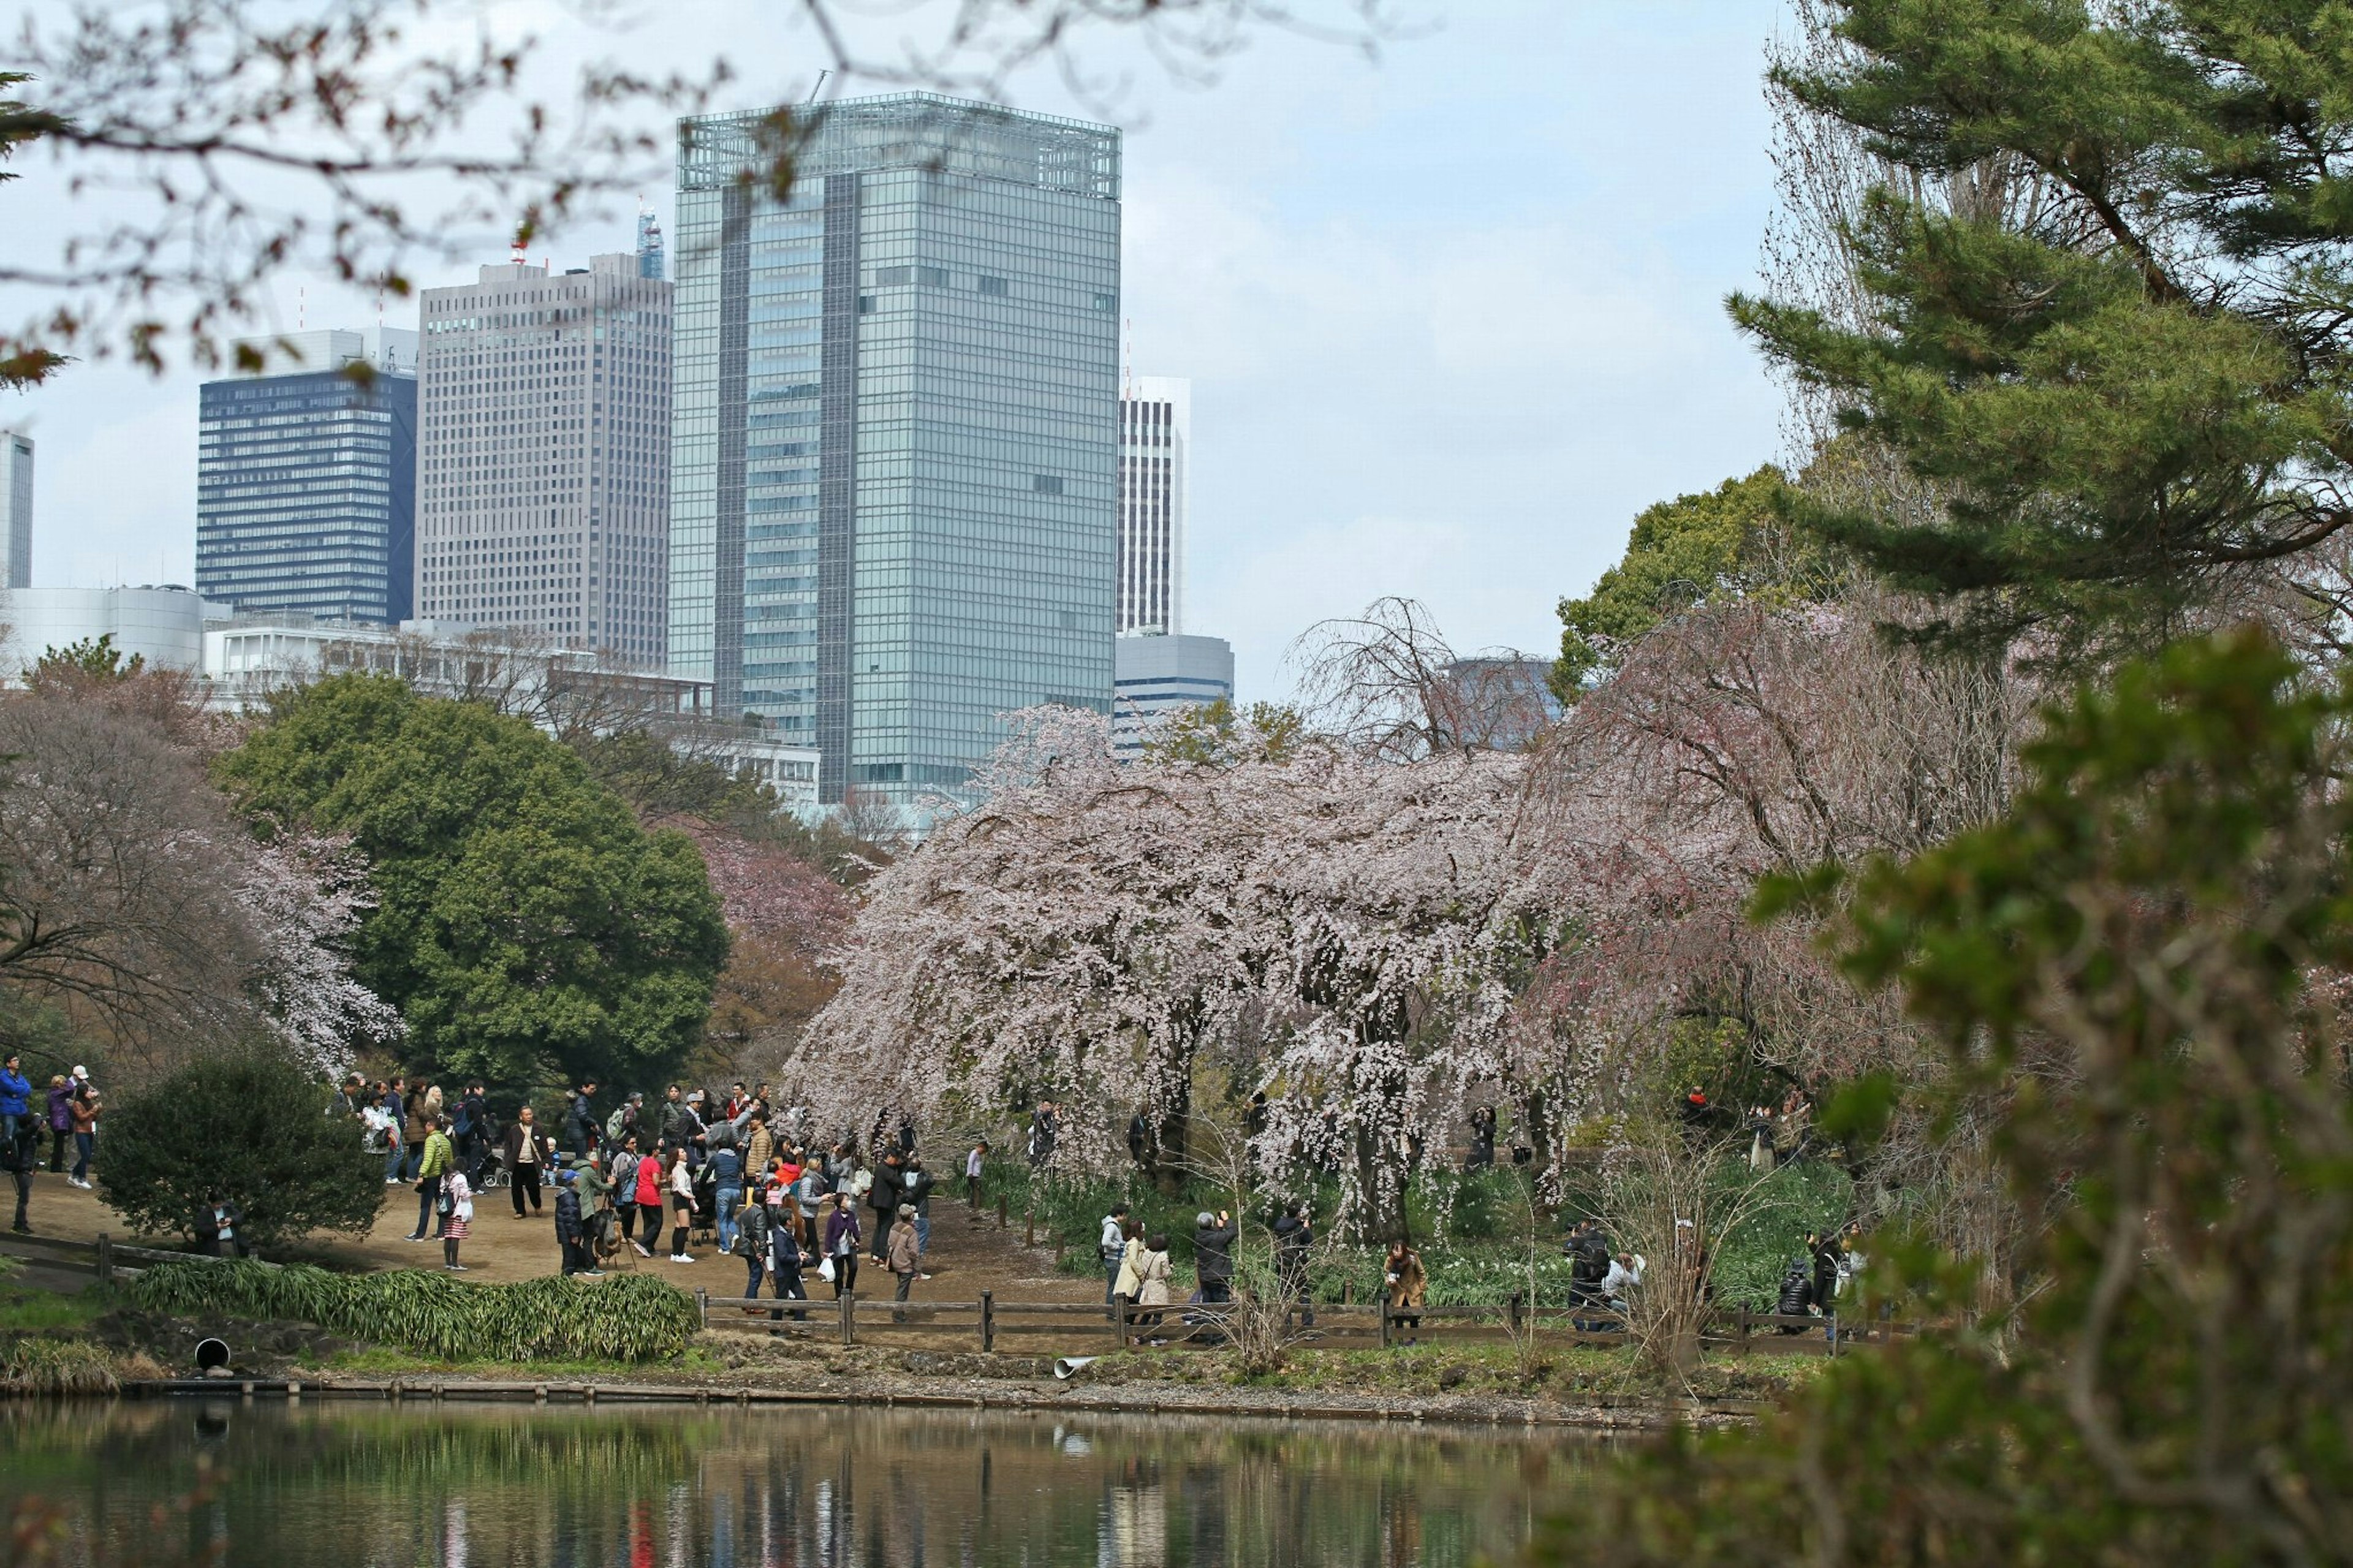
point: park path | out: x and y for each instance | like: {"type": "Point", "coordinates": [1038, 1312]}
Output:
{"type": "Point", "coordinates": [969, 1253]}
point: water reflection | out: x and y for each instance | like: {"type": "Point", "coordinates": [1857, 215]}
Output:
{"type": "Point", "coordinates": [359, 1487]}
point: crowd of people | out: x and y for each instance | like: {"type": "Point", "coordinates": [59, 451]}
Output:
{"type": "Point", "coordinates": [731, 1171]}
{"type": "Point", "coordinates": [68, 1113]}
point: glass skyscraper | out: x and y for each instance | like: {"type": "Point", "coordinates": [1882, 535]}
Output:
{"type": "Point", "coordinates": [896, 437]}
{"type": "Point", "coordinates": [306, 481]}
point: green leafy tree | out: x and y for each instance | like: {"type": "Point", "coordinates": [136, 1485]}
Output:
{"type": "Point", "coordinates": [1217, 733]}
{"type": "Point", "coordinates": [93, 659]}
{"type": "Point", "coordinates": [252, 1129]}
{"type": "Point", "coordinates": [2139, 974]}
{"type": "Point", "coordinates": [2124, 381]}
{"type": "Point", "coordinates": [1682, 553]}
{"type": "Point", "coordinates": [526, 924]}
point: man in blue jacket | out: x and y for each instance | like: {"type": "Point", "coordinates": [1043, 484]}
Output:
{"type": "Point", "coordinates": [16, 1096]}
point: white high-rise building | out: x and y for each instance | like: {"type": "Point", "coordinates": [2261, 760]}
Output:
{"type": "Point", "coordinates": [542, 482]}
{"type": "Point", "coordinates": [17, 508]}
{"type": "Point", "coordinates": [1156, 440]}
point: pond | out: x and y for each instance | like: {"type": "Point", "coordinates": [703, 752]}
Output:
{"type": "Point", "coordinates": [160, 1482]}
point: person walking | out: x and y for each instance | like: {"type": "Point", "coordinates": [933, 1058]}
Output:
{"type": "Point", "coordinates": [682, 1202]}
{"type": "Point", "coordinates": [842, 1239]}
{"type": "Point", "coordinates": [20, 1151]}
{"type": "Point", "coordinates": [809, 1191]}
{"type": "Point", "coordinates": [1129, 1285]}
{"type": "Point", "coordinates": [1408, 1286]}
{"type": "Point", "coordinates": [59, 1117]}
{"type": "Point", "coordinates": [1213, 1255]}
{"type": "Point", "coordinates": [83, 1112]}
{"type": "Point", "coordinates": [384, 1123]}
{"type": "Point", "coordinates": [905, 1257]}
{"type": "Point", "coordinates": [916, 1187]}
{"type": "Point", "coordinates": [436, 1159]}
{"type": "Point", "coordinates": [473, 1131]}
{"type": "Point", "coordinates": [1110, 1248]}
{"type": "Point", "coordinates": [648, 1192]}
{"type": "Point", "coordinates": [528, 1153]}
{"type": "Point", "coordinates": [785, 1265]}
{"type": "Point", "coordinates": [974, 1162]}
{"type": "Point", "coordinates": [457, 1205]}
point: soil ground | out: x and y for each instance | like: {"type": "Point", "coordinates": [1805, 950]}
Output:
{"type": "Point", "coordinates": [969, 1253]}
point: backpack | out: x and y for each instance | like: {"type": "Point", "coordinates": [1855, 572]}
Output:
{"type": "Point", "coordinates": [616, 1125]}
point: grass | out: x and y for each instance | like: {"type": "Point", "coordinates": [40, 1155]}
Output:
{"type": "Point", "coordinates": [1473, 1371]}
{"type": "Point", "coordinates": [382, 1361]}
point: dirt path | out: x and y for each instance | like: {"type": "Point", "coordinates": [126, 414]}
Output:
{"type": "Point", "coordinates": [969, 1253]}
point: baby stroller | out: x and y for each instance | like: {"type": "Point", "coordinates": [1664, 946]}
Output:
{"type": "Point", "coordinates": [703, 1227]}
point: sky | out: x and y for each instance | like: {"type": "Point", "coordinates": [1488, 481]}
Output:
{"type": "Point", "coordinates": [1452, 313]}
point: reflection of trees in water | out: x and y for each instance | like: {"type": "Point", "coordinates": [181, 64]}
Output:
{"type": "Point", "coordinates": [471, 1486]}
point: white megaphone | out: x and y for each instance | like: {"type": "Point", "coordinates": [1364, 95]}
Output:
{"type": "Point", "coordinates": [1064, 1365]}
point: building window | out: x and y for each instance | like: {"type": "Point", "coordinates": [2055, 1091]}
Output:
{"type": "Point", "coordinates": [1046, 484]}
{"type": "Point", "coordinates": [888, 275]}
{"type": "Point", "coordinates": [992, 285]}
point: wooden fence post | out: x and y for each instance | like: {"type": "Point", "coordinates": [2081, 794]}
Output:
{"type": "Point", "coordinates": [849, 1317]}
{"type": "Point", "coordinates": [1744, 1328]}
{"type": "Point", "coordinates": [703, 1304]}
{"type": "Point", "coordinates": [987, 1321]}
{"type": "Point", "coordinates": [1385, 1323]}
{"type": "Point", "coordinates": [1029, 1228]}
{"type": "Point", "coordinates": [1347, 1292]}
{"type": "Point", "coordinates": [1515, 1312]}
{"type": "Point", "coordinates": [1002, 1220]}
{"type": "Point", "coordinates": [105, 1258]}
{"type": "Point", "coordinates": [1119, 1320]}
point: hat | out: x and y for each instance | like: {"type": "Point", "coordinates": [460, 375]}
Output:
{"type": "Point", "coordinates": [906, 1211]}
{"type": "Point", "coordinates": [81, 1072]}
{"type": "Point", "coordinates": [566, 1178]}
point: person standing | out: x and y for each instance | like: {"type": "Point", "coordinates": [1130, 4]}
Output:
{"type": "Point", "coordinates": [842, 1240]}
{"type": "Point", "coordinates": [1043, 1131]}
{"type": "Point", "coordinates": [915, 1192]}
{"type": "Point", "coordinates": [436, 1159]}
{"type": "Point", "coordinates": [682, 1202]}
{"type": "Point", "coordinates": [457, 1205]}
{"type": "Point", "coordinates": [1213, 1255]}
{"type": "Point", "coordinates": [1110, 1248]}
{"type": "Point", "coordinates": [1294, 1234]}
{"type": "Point", "coordinates": [759, 1145]}
{"type": "Point", "coordinates": [1152, 1274]}
{"type": "Point", "coordinates": [1408, 1286]}
{"type": "Point", "coordinates": [384, 1120]}
{"type": "Point", "coordinates": [473, 1129]}
{"type": "Point", "coordinates": [571, 1226]}
{"type": "Point", "coordinates": [60, 1120]}
{"type": "Point", "coordinates": [83, 1109]}
{"type": "Point", "coordinates": [528, 1153]}
{"type": "Point", "coordinates": [216, 1228]}
{"type": "Point", "coordinates": [20, 1151]}
{"type": "Point", "coordinates": [418, 1113]}
{"type": "Point", "coordinates": [727, 1193]}
{"type": "Point", "coordinates": [974, 1162]}
{"type": "Point", "coordinates": [753, 1244]}
{"type": "Point", "coordinates": [580, 1130]}
{"type": "Point", "coordinates": [597, 1220]}
{"type": "Point", "coordinates": [16, 1097]}
{"type": "Point", "coordinates": [882, 1198]}
{"type": "Point", "coordinates": [906, 1255]}
{"type": "Point", "coordinates": [648, 1196]}
{"type": "Point", "coordinates": [809, 1191]}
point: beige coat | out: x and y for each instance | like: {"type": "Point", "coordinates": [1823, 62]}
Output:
{"type": "Point", "coordinates": [903, 1258]}
{"type": "Point", "coordinates": [1152, 1272]}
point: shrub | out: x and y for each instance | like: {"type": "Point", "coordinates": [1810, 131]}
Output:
{"type": "Point", "coordinates": [252, 1129]}
{"type": "Point", "coordinates": [32, 1364]}
{"type": "Point", "coordinates": [635, 1317]}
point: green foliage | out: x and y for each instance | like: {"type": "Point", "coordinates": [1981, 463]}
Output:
{"type": "Point", "coordinates": [37, 1364]}
{"type": "Point", "coordinates": [2136, 976]}
{"type": "Point", "coordinates": [1218, 735]}
{"type": "Point", "coordinates": [2123, 371]}
{"type": "Point", "coordinates": [91, 659]}
{"type": "Point", "coordinates": [527, 926]}
{"type": "Point", "coordinates": [627, 1318]}
{"type": "Point", "coordinates": [1682, 553]}
{"type": "Point", "coordinates": [253, 1128]}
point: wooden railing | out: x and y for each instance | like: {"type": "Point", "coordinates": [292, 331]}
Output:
{"type": "Point", "coordinates": [991, 1321]}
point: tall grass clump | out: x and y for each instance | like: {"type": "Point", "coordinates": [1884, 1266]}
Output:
{"type": "Point", "coordinates": [634, 1318]}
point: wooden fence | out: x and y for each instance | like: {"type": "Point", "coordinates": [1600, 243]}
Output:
{"type": "Point", "coordinates": [1084, 1327]}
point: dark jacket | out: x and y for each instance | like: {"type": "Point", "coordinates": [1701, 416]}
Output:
{"type": "Point", "coordinates": [209, 1222]}
{"type": "Point", "coordinates": [515, 1144]}
{"type": "Point", "coordinates": [883, 1196]}
{"type": "Point", "coordinates": [580, 1130]}
{"type": "Point", "coordinates": [1213, 1253]}
{"type": "Point", "coordinates": [840, 1223]}
{"type": "Point", "coordinates": [1292, 1236]}
{"type": "Point", "coordinates": [567, 1212]}
{"type": "Point", "coordinates": [61, 1109]}
{"type": "Point", "coordinates": [752, 1228]}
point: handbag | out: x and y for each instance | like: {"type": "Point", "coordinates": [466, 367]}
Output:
{"type": "Point", "coordinates": [825, 1270]}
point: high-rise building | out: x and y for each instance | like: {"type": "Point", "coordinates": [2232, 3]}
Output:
{"type": "Point", "coordinates": [650, 247]}
{"type": "Point", "coordinates": [895, 513]}
{"type": "Point", "coordinates": [306, 476]}
{"type": "Point", "coordinates": [543, 459]}
{"type": "Point", "coordinates": [1155, 439]}
{"type": "Point", "coordinates": [17, 508]}
{"type": "Point", "coordinates": [1158, 675]}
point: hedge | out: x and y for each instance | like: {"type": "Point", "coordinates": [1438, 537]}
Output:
{"type": "Point", "coordinates": [633, 1317]}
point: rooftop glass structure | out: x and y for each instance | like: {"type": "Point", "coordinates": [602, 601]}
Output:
{"type": "Point", "coordinates": [896, 431]}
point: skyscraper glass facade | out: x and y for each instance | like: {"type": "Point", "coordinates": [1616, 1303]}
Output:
{"type": "Point", "coordinates": [306, 494]}
{"type": "Point", "coordinates": [896, 430]}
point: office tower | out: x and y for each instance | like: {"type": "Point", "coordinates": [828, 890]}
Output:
{"type": "Point", "coordinates": [16, 508]}
{"type": "Point", "coordinates": [649, 245]}
{"type": "Point", "coordinates": [1159, 674]}
{"type": "Point", "coordinates": [1155, 438]}
{"type": "Point", "coordinates": [543, 466]}
{"type": "Point", "coordinates": [894, 510]}
{"type": "Point", "coordinates": [306, 476]}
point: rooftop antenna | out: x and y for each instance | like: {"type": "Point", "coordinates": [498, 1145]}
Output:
{"type": "Point", "coordinates": [821, 87]}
